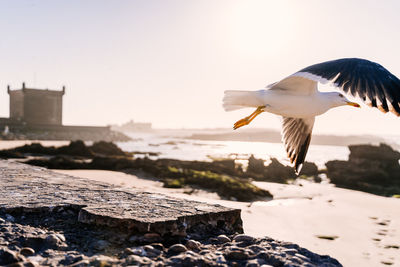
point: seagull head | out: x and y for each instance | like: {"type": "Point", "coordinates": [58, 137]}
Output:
{"type": "Point", "coordinates": [337, 99]}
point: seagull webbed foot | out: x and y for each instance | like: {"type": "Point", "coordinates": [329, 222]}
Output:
{"type": "Point", "coordinates": [248, 119]}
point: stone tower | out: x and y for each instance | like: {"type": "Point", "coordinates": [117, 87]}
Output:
{"type": "Point", "coordinates": [36, 106]}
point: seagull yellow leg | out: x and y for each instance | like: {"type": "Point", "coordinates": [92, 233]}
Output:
{"type": "Point", "coordinates": [248, 119]}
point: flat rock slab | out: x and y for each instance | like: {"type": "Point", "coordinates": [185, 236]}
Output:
{"type": "Point", "coordinates": [24, 188]}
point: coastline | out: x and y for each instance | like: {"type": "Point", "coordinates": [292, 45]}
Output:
{"type": "Point", "coordinates": [300, 214]}
{"type": "Point", "coordinates": [297, 214]}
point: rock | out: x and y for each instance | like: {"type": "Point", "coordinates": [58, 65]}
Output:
{"type": "Point", "coordinates": [309, 169]}
{"type": "Point", "coordinates": [373, 169]}
{"type": "Point", "coordinates": [257, 248]}
{"type": "Point", "coordinates": [152, 237]}
{"type": "Point", "coordinates": [8, 256]}
{"type": "Point", "coordinates": [223, 239]}
{"type": "Point", "coordinates": [26, 251]}
{"type": "Point", "coordinates": [290, 251]}
{"type": "Point", "coordinates": [158, 246]}
{"type": "Point", "coordinates": [151, 251]}
{"type": "Point", "coordinates": [10, 218]}
{"type": "Point", "coordinates": [255, 166]}
{"type": "Point", "coordinates": [237, 255]}
{"type": "Point", "coordinates": [137, 260]}
{"type": "Point", "coordinates": [107, 149]}
{"type": "Point", "coordinates": [103, 261]}
{"type": "Point", "coordinates": [252, 263]}
{"type": "Point", "coordinates": [82, 263]}
{"type": "Point", "coordinates": [139, 251]}
{"type": "Point", "coordinates": [176, 249]}
{"type": "Point", "coordinates": [193, 245]}
{"type": "Point", "coordinates": [54, 241]}
{"type": "Point", "coordinates": [304, 258]}
{"type": "Point", "coordinates": [243, 238]}
{"type": "Point", "coordinates": [101, 245]}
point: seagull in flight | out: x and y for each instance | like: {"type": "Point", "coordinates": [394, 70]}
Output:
{"type": "Point", "coordinates": [296, 98]}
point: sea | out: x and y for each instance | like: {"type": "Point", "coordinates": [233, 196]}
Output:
{"type": "Point", "coordinates": [176, 144]}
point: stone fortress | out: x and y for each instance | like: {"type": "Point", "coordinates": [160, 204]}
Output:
{"type": "Point", "coordinates": [37, 114]}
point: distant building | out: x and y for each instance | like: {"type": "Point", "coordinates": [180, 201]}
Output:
{"type": "Point", "coordinates": [36, 114]}
{"type": "Point", "coordinates": [36, 106]}
{"type": "Point", "coordinates": [132, 126]}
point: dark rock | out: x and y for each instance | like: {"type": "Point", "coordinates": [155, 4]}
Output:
{"type": "Point", "coordinates": [151, 237]}
{"type": "Point", "coordinates": [8, 256]}
{"type": "Point", "coordinates": [75, 148]}
{"type": "Point", "coordinates": [26, 251]}
{"type": "Point", "coordinates": [373, 169]}
{"type": "Point", "coordinates": [193, 245]}
{"type": "Point", "coordinates": [158, 246]}
{"type": "Point", "coordinates": [274, 172]}
{"type": "Point", "coordinates": [10, 218]}
{"type": "Point", "coordinates": [107, 149]}
{"type": "Point", "coordinates": [243, 238]}
{"type": "Point", "coordinates": [309, 169]}
{"type": "Point", "coordinates": [223, 239]}
{"type": "Point", "coordinates": [176, 249]}
{"type": "Point", "coordinates": [255, 166]}
{"type": "Point", "coordinates": [101, 244]}
{"type": "Point", "coordinates": [237, 255]}
{"type": "Point", "coordinates": [139, 251]}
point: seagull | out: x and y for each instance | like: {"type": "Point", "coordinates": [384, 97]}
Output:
{"type": "Point", "coordinates": [297, 99]}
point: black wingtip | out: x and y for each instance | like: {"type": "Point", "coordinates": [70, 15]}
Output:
{"type": "Point", "coordinates": [298, 168]}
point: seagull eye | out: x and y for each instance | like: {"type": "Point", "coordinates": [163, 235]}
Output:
{"type": "Point", "coordinates": [341, 95]}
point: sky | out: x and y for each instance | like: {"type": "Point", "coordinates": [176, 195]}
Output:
{"type": "Point", "coordinates": [169, 61]}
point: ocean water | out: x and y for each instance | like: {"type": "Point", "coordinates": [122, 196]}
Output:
{"type": "Point", "coordinates": [175, 145]}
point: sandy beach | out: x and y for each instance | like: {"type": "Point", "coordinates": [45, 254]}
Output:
{"type": "Point", "coordinates": [365, 227]}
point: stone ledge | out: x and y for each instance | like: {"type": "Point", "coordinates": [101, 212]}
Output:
{"type": "Point", "coordinates": [28, 189]}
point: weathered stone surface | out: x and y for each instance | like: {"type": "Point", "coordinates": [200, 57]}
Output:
{"type": "Point", "coordinates": [34, 189]}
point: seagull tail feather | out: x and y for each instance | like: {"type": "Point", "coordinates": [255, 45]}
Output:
{"type": "Point", "coordinates": [234, 100]}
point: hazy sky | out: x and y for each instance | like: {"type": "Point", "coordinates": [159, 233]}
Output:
{"type": "Point", "coordinates": [169, 61]}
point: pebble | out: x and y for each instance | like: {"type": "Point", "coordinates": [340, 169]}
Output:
{"type": "Point", "coordinates": [26, 251]}
{"type": "Point", "coordinates": [135, 251]}
{"type": "Point", "coordinates": [134, 259]}
{"type": "Point", "coordinates": [151, 238]}
{"type": "Point", "coordinates": [243, 238]}
{"type": "Point", "coordinates": [8, 256]}
{"type": "Point", "coordinates": [2, 220]}
{"type": "Point", "coordinates": [223, 239]}
{"type": "Point", "coordinates": [52, 240]}
{"type": "Point", "coordinates": [304, 258]}
{"type": "Point", "coordinates": [50, 249]}
{"type": "Point", "coordinates": [237, 255]}
{"type": "Point", "coordinates": [290, 251]}
{"type": "Point", "coordinates": [151, 251]}
{"type": "Point", "coordinates": [158, 246]}
{"type": "Point", "coordinates": [252, 263]}
{"type": "Point", "coordinates": [193, 245]}
{"type": "Point", "coordinates": [177, 248]}
{"type": "Point", "coordinates": [10, 218]}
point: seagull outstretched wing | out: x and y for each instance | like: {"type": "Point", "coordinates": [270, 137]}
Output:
{"type": "Point", "coordinates": [361, 78]}
{"type": "Point", "coordinates": [296, 135]}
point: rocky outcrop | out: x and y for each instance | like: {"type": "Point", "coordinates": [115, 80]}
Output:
{"type": "Point", "coordinates": [373, 169]}
{"type": "Point", "coordinates": [277, 172]}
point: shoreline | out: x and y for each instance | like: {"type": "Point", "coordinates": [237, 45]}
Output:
{"type": "Point", "coordinates": [300, 214]}
{"type": "Point", "coordinates": [352, 219]}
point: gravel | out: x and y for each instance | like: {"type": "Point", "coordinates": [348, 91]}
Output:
{"type": "Point", "coordinates": [55, 241]}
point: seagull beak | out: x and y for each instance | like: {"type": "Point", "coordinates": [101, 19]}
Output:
{"type": "Point", "coordinates": [353, 104]}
